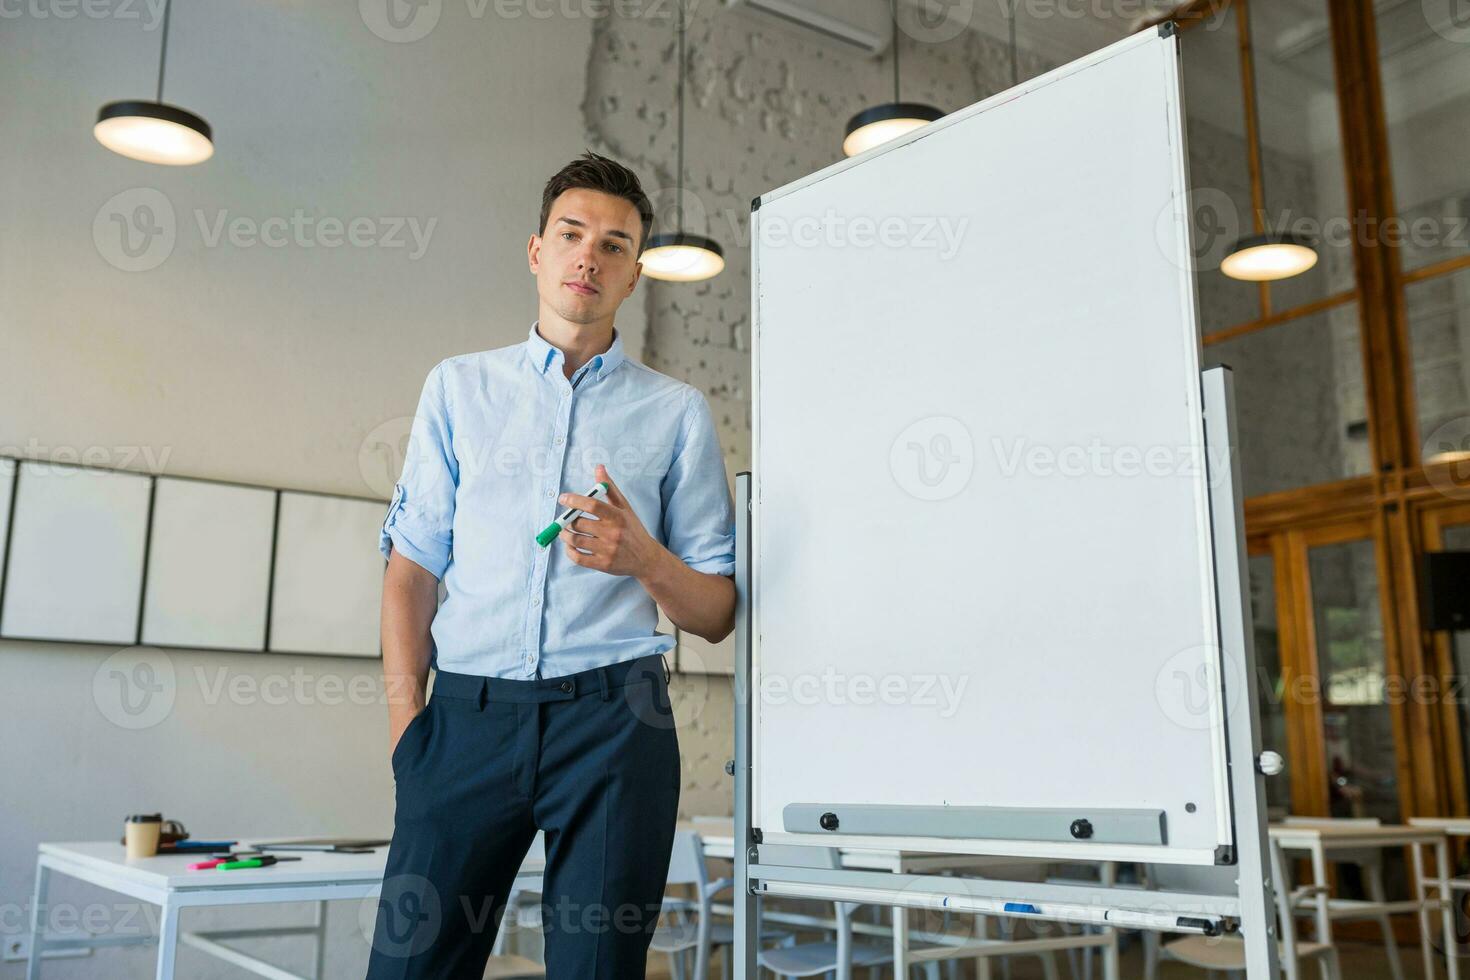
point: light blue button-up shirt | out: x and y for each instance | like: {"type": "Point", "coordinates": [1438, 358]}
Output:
{"type": "Point", "coordinates": [498, 436]}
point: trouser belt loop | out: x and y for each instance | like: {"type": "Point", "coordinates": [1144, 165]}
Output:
{"type": "Point", "coordinates": [602, 679]}
{"type": "Point", "coordinates": [666, 667]}
{"type": "Point", "coordinates": [483, 695]}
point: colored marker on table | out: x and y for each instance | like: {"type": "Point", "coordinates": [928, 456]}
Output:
{"type": "Point", "coordinates": [206, 865]}
{"type": "Point", "coordinates": [255, 862]}
{"type": "Point", "coordinates": [551, 530]}
{"type": "Point", "coordinates": [214, 862]}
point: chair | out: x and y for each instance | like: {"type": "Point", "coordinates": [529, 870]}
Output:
{"type": "Point", "coordinates": [839, 955]}
{"type": "Point", "coordinates": [1227, 953]}
{"type": "Point", "coordinates": [676, 934]}
{"type": "Point", "coordinates": [1370, 860]}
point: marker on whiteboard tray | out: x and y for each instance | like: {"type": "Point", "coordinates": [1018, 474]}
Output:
{"type": "Point", "coordinates": [549, 533]}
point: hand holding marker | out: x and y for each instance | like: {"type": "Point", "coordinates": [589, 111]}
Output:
{"type": "Point", "coordinates": [549, 533]}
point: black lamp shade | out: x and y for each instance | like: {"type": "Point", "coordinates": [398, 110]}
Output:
{"type": "Point", "coordinates": [154, 133]}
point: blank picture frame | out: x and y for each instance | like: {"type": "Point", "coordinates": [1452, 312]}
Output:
{"type": "Point", "coordinates": [327, 580]}
{"type": "Point", "coordinates": [74, 569]}
{"type": "Point", "coordinates": [209, 565]}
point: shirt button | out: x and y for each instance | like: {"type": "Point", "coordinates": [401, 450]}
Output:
{"type": "Point", "coordinates": [536, 601]}
{"type": "Point", "coordinates": [558, 440]}
{"type": "Point", "coordinates": [566, 686]}
{"type": "Point", "coordinates": [551, 493]}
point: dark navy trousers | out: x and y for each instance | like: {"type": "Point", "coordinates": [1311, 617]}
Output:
{"type": "Point", "coordinates": [592, 759]}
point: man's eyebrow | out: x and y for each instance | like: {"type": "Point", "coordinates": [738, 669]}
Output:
{"type": "Point", "coordinates": [615, 232]}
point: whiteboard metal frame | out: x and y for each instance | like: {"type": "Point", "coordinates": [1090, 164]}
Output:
{"type": "Point", "coordinates": [1188, 313]}
{"type": "Point", "coordinates": [1237, 738]}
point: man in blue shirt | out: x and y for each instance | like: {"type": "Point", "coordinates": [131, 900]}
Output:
{"type": "Point", "coordinates": [550, 705]}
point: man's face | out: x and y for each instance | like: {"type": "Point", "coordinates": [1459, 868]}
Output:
{"type": "Point", "coordinates": [586, 264]}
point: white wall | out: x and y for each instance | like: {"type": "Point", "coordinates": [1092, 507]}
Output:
{"type": "Point", "coordinates": [266, 365]}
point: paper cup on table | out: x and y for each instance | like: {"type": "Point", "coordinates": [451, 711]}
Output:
{"type": "Point", "coordinates": [141, 832]}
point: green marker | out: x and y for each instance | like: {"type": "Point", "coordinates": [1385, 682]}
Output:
{"type": "Point", "coordinates": [567, 516]}
{"type": "Point", "coordinates": [264, 861]}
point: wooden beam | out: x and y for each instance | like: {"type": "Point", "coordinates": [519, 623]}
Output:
{"type": "Point", "coordinates": [1436, 269]}
{"type": "Point", "coordinates": [1387, 374]}
{"type": "Point", "coordinates": [1190, 14]}
{"type": "Point", "coordinates": [1323, 503]}
{"type": "Point", "coordinates": [1285, 316]}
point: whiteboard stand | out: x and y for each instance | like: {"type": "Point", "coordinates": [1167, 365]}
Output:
{"type": "Point", "coordinates": [1250, 911]}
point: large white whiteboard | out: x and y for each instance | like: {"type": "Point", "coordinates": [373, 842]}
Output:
{"type": "Point", "coordinates": [945, 428]}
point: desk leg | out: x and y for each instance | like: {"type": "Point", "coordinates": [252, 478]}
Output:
{"type": "Point", "coordinates": [319, 971]}
{"type": "Point", "coordinates": [1319, 878]}
{"type": "Point", "coordinates": [168, 940]}
{"type": "Point", "coordinates": [1285, 913]}
{"type": "Point", "coordinates": [1447, 907]}
{"type": "Point", "coordinates": [1422, 886]}
{"type": "Point", "coordinates": [38, 900]}
{"type": "Point", "coordinates": [1110, 951]}
{"type": "Point", "coordinates": [900, 942]}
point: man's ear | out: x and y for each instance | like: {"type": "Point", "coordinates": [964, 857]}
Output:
{"type": "Point", "coordinates": [637, 271]}
{"type": "Point", "coordinates": [533, 253]}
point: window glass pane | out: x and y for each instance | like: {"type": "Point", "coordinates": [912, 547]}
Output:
{"type": "Point", "coordinates": [1424, 61]}
{"type": "Point", "coordinates": [1302, 172]}
{"type": "Point", "coordinates": [1357, 727]}
{"type": "Point", "coordinates": [1299, 401]}
{"type": "Point", "coordinates": [1219, 176]}
{"type": "Point", "coordinates": [1269, 691]}
{"type": "Point", "coordinates": [1439, 332]}
{"type": "Point", "coordinates": [1457, 538]}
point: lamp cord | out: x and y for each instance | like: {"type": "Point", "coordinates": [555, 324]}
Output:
{"type": "Point", "coordinates": [679, 174]}
{"type": "Point", "coordinates": [163, 49]}
{"type": "Point", "coordinates": [893, 12]}
{"type": "Point", "coordinates": [1015, 57]}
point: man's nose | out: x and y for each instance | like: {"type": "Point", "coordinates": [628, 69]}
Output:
{"type": "Point", "coordinates": [587, 258]}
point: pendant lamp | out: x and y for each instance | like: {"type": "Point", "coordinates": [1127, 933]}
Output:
{"type": "Point", "coordinates": [1266, 255]}
{"type": "Point", "coordinates": [681, 256]}
{"type": "Point", "coordinates": [881, 123]}
{"type": "Point", "coordinates": [155, 132]}
{"type": "Point", "coordinates": [1270, 256]}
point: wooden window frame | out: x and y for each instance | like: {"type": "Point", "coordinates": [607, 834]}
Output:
{"type": "Point", "coordinates": [1401, 503]}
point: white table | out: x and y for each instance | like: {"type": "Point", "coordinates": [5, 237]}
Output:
{"type": "Point", "coordinates": [1450, 827]}
{"type": "Point", "coordinates": [1321, 839]}
{"type": "Point", "coordinates": [167, 882]}
{"type": "Point", "coordinates": [718, 836]}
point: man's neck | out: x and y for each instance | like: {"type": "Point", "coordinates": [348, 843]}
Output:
{"type": "Point", "coordinates": [578, 342]}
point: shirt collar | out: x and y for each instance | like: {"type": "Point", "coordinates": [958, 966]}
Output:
{"type": "Point", "coordinates": [542, 353]}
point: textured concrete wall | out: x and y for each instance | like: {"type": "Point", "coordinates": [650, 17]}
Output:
{"type": "Point", "coordinates": [764, 105]}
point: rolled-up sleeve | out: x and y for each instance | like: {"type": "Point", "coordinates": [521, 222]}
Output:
{"type": "Point", "coordinates": [699, 515]}
{"type": "Point", "coordinates": [420, 521]}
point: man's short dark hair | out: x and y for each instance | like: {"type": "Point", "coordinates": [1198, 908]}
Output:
{"type": "Point", "coordinates": [598, 173]}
